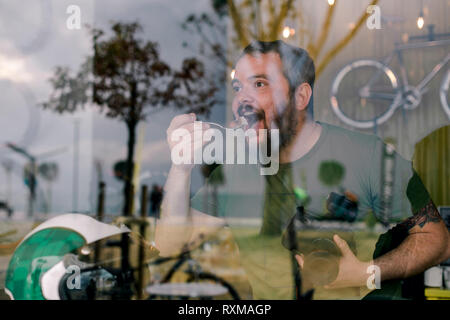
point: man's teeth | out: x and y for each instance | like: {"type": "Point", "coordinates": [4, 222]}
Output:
{"type": "Point", "coordinates": [243, 122]}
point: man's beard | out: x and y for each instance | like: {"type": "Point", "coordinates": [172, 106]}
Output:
{"type": "Point", "coordinates": [287, 122]}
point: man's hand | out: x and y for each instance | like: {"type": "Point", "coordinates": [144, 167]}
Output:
{"type": "Point", "coordinates": [182, 130]}
{"type": "Point", "coordinates": [352, 272]}
{"type": "Point", "coordinates": [181, 226]}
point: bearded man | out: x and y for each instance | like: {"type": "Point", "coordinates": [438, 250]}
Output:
{"type": "Point", "coordinates": [329, 179]}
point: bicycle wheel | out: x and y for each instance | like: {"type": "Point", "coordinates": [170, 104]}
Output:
{"type": "Point", "coordinates": [365, 93]}
{"type": "Point", "coordinates": [206, 276]}
{"type": "Point", "coordinates": [443, 92]}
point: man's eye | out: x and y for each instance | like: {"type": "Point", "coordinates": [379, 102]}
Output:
{"type": "Point", "coordinates": [236, 88]}
{"type": "Point", "coordinates": [260, 84]}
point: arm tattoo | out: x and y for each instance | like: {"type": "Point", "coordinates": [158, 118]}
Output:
{"type": "Point", "coordinates": [427, 214]}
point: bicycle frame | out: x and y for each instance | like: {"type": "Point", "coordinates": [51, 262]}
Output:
{"type": "Point", "coordinates": [398, 52]}
{"type": "Point", "coordinates": [394, 88]}
{"type": "Point", "coordinates": [195, 275]}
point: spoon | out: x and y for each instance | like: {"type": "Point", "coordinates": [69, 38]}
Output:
{"type": "Point", "coordinates": [242, 123]}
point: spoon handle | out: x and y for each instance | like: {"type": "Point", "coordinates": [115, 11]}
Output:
{"type": "Point", "coordinates": [242, 123]}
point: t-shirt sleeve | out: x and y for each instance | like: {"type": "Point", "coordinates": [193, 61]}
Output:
{"type": "Point", "coordinates": [397, 192]}
{"type": "Point", "coordinates": [208, 198]}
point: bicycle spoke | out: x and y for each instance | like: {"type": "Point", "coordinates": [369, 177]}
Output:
{"type": "Point", "coordinates": [363, 93]}
{"type": "Point", "coordinates": [382, 95]}
{"type": "Point", "coordinates": [374, 78]}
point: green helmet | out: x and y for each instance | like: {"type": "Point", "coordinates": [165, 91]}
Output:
{"type": "Point", "coordinates": [38, 263]}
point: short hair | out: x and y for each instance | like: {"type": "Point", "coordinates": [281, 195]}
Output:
{"type": "Point", "coordinates": [298, 67]}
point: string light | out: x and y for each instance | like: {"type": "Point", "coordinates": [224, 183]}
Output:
{"type": "Point", "coordinates": [330, 2]}
{"type": "Point", "coordinates": [233, 72]}
{"type": "Point", "coordinates": [420, 20]}
{"type": "Point", "coordinates": [287, 32]}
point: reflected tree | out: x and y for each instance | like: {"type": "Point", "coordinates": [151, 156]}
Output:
{"type": "Point", "coordinates": [126, 79]}
{"type": "Point", "coordinates": [265, 20]}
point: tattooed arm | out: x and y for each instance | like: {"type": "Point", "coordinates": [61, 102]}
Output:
{"type": "Point", "coordinates": [426, 245]}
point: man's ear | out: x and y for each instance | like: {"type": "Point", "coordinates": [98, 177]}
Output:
{"type": "Point", "coordinates": [303, 94]}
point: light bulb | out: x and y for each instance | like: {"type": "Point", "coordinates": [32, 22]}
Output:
{"type": "Point", "coordinates": [286, 32]}
{"type": "Point", "coordinates": [420, 22]}
{"type": "Point", "coordinates": [330, 2]}
{"type": "Point", "coordinates": [233, 72]}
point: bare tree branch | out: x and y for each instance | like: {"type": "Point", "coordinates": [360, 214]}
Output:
{"type": "Point", "coordinates": [316, 48]}
{"type": "Point", "coordinates": [343, 42]}
{"type": "Point", "coordinates": [272, 15]}
{"type": "Point", "coordinates": [277, 26]}
{"type": "Point", "coordinates": [237, 22]}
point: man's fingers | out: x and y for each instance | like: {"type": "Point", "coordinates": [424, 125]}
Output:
{"type": "Point", "coordinates": [191, 126]}
{"type": "Point", "coordinates": [194, 130]}
{"type": "Point", "coordinates": [300, 260]}
{"type": "Point", "coordinates": [342, 245]}
{"type": "Point", "coordinates": [233, 124]}
{"type": "Point", "coordinates": [181, 119]}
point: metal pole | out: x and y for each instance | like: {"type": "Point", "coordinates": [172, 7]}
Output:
{"type": "Point", "coordinates": [32, 187]}
{"type": "Point", "coordinates": [125, 246]}
{"type": "Point", "coordinates": [100, 215]}
{"type": "Point", "coordinates": [143, 227]}
{"type": "Point", "coordinates": [76, 152]}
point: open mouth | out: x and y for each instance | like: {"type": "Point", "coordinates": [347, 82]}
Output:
{"type": "Point", "coordinates": [251, 115]}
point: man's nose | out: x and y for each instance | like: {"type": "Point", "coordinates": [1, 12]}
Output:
{"type": "Point", "coordinates": [244, 98]}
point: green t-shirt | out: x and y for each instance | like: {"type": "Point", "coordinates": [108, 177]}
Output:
{"type": "Point", "coordinates": [342, 162]}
